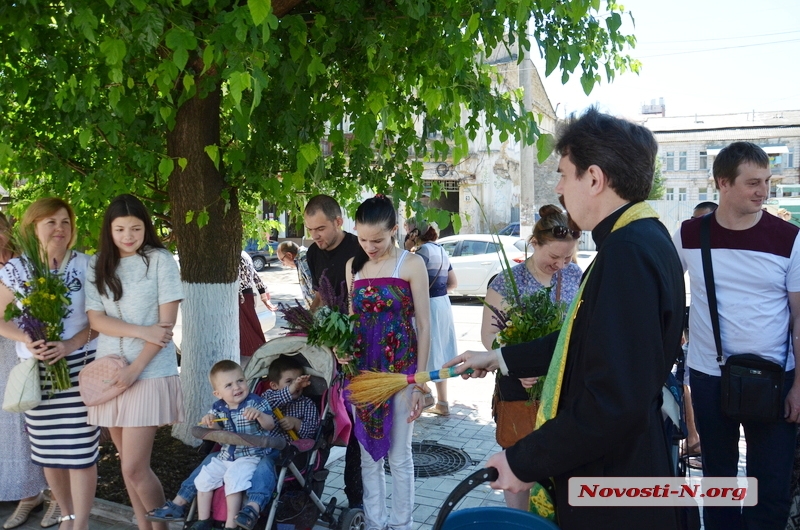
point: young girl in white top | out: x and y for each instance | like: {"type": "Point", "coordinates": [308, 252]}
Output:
{"type": "Point", "coordinates": [132, 297]}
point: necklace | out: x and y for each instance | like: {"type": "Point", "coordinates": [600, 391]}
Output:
{"type": "Point", "coordinates": [380, 270]}
{"type": "Point", "coordinates": [534, 271]}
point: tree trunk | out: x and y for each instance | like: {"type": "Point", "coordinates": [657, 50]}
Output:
{"type": "Point", "coordinates": [210, 308]}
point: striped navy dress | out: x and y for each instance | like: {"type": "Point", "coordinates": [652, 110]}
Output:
{"type": "Point", "coordinates": [59, 434]}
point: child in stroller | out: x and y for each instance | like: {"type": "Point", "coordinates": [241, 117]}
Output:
{"type": "Point", "coordinates": [298, 414]}
{"type": "Point", "coordinates": [240, 411]}
{"type": "Point", "coordinates": [309, 476]}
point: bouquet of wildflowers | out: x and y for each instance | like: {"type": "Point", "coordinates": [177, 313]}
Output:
{"type": "Point", "coordinates": [528, 317]}
{"type": "Point", "coordinates": [42, 305]}
{"type": "Point", "coordinates": [331, 325]}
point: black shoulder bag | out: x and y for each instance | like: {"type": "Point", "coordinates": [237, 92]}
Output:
{"type": "Point", "coordinates": [752, 387]}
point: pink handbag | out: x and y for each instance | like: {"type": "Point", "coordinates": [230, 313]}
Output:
{"type": "Point", "coordinates": [96, 377]}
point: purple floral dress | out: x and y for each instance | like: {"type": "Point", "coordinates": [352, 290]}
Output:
{"type": "Point", "coordinates": [385, 341]}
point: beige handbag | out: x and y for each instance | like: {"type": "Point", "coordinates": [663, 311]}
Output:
{"type": "Point", "coordinates": [23, 389]}
{"type": "Point", "coordinates": [96, 377]}
{"type": "Point", "coordinates": [95, 380]}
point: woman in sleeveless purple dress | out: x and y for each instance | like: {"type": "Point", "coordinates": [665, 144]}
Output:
{"type": "Point", "coordinates": [389, 289]}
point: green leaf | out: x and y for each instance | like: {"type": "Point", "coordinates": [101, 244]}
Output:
{"type": "Point", "coordinates": [180, 57]}
{"type": "Point", "coordinates": [84, 137]}
{"type": "Point", "coordinates": [5, 153]}
{"type": "Point", "coordinates": [238, 83]}
{"type": "Point", "coordinates": [309, 152]}
{"type": "Point", "coordinates": [552, 56]}
{"type": "Point", "coordinates": [208, 57]}
{"type": "Point", "coordinates": [213, 153]}
{"type": "Point", "coordinates": [202, 218]}
{"type": "Point", "coordinates": [165, 167]}
{"type": "Point", "coordinates": [114, 51]}
{"type": "Point", "coordinates": [189, 216]}
{"type": "Point", "coordinates": [182, 162]}
{"type": "Point", "coordinates": [613, 22]}
{"type": "Point", "coordinates": [544, 146]}
{"type": "Point", "coordinates": [259, 10]}
{"type": "Point", "coordinates": [472, 25]}
{"type": "Point", "coordinates": [365, 128]}
{"type": "Point", "coordinates": [87, 23]}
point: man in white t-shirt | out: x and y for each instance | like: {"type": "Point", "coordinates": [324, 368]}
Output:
{"type": "Point", "coordinates": [756, 264]}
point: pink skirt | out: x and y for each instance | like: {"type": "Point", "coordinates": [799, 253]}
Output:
{"type": "Point", "coordinates": [147, 403]}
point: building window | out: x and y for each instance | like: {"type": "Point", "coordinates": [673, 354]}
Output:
{"type": "Point", "coordinates": [670, 163]}
{"type": "Point", "coordinates": [670, 195]}
{"type": "Point", "coordinates": [790, 157]}
{"type": "Point", "coordinates": [703, 163]}
{"type": "Point", "coordinates": [682, 161]}
{"type": "Point", "coordinates": [681, 194]}
{"type": "Point", "coordinates": [702, 194]}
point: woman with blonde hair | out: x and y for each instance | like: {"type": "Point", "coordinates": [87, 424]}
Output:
{"type": "Point", "coordinates": [62, 442]}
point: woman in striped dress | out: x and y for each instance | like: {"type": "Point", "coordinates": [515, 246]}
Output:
{"type": "Point", "coordinates": [62, 443]}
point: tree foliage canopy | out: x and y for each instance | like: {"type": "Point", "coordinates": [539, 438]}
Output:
{"type": "Point", "coordinates": [90, 88]}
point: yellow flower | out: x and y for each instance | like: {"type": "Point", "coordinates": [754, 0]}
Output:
{"type": "Point", "coordinates": [52, 297]}
{"type": "Point", "coordinates": [26, 301]}
{"type": "Point", "coordinates": [41, 280]}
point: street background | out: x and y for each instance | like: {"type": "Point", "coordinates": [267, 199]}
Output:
{"type": "Point", "coordinates": [469, 427]}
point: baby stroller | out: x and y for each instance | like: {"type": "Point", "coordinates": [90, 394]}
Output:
{"type": "Point", "coordinates": [300, 467]}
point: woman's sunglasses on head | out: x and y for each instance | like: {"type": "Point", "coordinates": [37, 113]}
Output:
{"type": "Point", "coordinates": [561, 232]}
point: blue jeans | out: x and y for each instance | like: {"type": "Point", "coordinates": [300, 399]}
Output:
{"type": "Point", "coordinates": [262, 485]}
{"type": "Point", "coordinates": [770, 457]}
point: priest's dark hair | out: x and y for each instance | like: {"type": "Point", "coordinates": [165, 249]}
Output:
{"type": "Point", "coordinates": [105, 269]}
{"type": "Point", "coordinates": [626, 152]}
{"type": "Point", "coordinates": [375, 211]}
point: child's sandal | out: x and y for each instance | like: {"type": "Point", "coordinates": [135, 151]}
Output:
{"type": "Point", "coordinates": [169, 512]}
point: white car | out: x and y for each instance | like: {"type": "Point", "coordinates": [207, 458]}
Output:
{"type": "Point", "coordinates": [476, 259]}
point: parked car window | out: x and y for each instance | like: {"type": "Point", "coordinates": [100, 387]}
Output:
{"type": "Point", "coordinates": [492, 247]}
{"type": "Point", "coordinates": [520, 244]}
{"type": "Point", "coordinates": [473, 248]}
{"type": "Point", "coordinates": [450, 248]}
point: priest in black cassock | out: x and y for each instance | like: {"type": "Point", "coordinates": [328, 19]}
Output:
{"type": "Point", "coordinates": [626, 331]}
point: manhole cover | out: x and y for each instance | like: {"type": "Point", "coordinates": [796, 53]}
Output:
{"type": "Point", "coordinates": [434, 460]}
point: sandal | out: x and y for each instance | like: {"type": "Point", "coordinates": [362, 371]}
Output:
{"type": "Point", "coordinates": [23, 511]}
{"type": "Point", "coordinates": [442, 409]}
{"type": "Point", "coordinates": [52, 515]}
{"type": "Point", "coordinates": [169, 512]}
{"type": "Point", "coordinates": [247, 518]}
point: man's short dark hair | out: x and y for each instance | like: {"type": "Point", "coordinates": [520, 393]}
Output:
{"type": "Point", "coordinates": [726, 165]}
{"type": "Point", "coordinates": [706, 205]}
{"type": "Point", "coordinates": [324, 203]}
{"type": "Point", "coordinates": [281, 365]}
{"type": "Point", "coordinates": [626, 152]}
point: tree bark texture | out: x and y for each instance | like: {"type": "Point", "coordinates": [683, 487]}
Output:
{"type": "Point", "coordinates": [200, 187]}
{"type": "Point", "coordinates": [210, 334]}
{"type": "Point", "coordinates": [209, 255]}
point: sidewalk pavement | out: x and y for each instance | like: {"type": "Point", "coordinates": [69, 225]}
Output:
{"type": "Point", "coordinates": [469, 428]}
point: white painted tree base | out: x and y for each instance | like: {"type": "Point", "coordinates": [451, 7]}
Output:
{"type": "Point", "coordinates": [210, 315]}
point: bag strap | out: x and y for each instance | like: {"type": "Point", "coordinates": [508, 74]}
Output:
{"type": "Point", "coordinates": [558, 285]}
{"type": "Point", "coordinates": [708, 274]}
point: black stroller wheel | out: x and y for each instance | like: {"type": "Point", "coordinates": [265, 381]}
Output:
{"type": "Point", "coordinates": [352, 519]}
